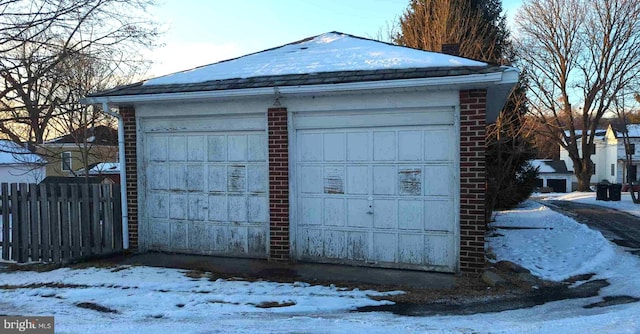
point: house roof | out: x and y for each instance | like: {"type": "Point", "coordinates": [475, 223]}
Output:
{"type": "Point", "coordinates": [98, 135]}
{"type": "Point", "coordinates": [632, 129]}
{"type": "Point", "coordinates": [12, 153]}
{"type": "Point", "coordinates": [550, 166]}
{"type": "Point", "coordinates": [326, 60]}
{"type": "Point", "coordinates": [103, 168]}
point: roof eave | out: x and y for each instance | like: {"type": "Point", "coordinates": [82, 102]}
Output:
{"type": "Point", "coordinates": [498, 84]}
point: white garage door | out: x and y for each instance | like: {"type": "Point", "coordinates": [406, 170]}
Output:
{"type": "Point", "coordinates": [380, 196]}
{"type": "Point", "coordinates": [206, 191]}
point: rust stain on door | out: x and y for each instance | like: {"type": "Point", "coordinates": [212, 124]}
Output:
{"type": "Point", "coordinates": [410, 181]}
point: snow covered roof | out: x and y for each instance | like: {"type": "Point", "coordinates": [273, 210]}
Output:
{"type": "Point", "coordinates": [96, 135]}
{"type": "Point", "coordinates": [550, 166]}
{"type": "Point", "coordinates": [104, 168]}
{"type": "Point", "coordinates": [330, 52]}
{"type": "Point", "coordinates": [600, 134]}
{"type": "Point", "coordinates": [12, 153]}
{"type": "Point", "coordinates": [632, 129]}
{"type": "Point", "coordinates": [330, 58]}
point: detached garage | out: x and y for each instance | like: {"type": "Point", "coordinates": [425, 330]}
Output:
{"type": "Point", "coordinates": [333, 149]}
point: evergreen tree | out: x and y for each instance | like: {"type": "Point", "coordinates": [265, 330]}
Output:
{"type": "Point", "coordinates": [479, 28]}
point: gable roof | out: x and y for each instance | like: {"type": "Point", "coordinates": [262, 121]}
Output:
{"type": "Point", "coordinates": [550, 166]}
{"type": "Point", "coordinates": [12, 153]}
{"type": "Point", "coordinates": [97, 135]}
{"type": "Point", "coordinates": [633, 131]}
{"type": "Point", "coordinates": [326, 60]}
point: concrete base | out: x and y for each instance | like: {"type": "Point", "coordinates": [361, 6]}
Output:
{"type": "Point", "coordinates": [306, 272]}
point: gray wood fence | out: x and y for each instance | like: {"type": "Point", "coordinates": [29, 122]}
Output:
{"type": "Point", "coordinates": [56, 223]}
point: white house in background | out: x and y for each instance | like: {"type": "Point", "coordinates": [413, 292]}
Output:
{"type": "Point", "coordinates": [110, 170]}
{"type": "Point", "coordinates": [553, 174]}
{"type": "Point", "coordinates": [609, 156]}
{"type": "Point", "coordinates": [19, 165]}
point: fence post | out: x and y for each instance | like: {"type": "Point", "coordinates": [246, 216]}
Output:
{"type": "Point", "coordinates": [45, 222]}
{"type": "Point", "coordinates": [34, 222]}
{"type": "Point", "coordinates": [15, 223]}
{"type": "Point", "coordinates": [96, 226]}
{"type": "Point", "coordinates": [54, 210]}
{"type": "Point", "coordinates": [6, 222]}
{"type": "Point", "coordinates": [23, 222]}
{"type": "Point", "coordinates": [85, 219]}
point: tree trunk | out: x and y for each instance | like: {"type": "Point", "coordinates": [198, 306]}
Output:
{"type": "Point", "coordinates": [584, 180]}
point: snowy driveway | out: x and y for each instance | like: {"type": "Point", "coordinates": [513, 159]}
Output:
{"type": "Point", "coordinates": [159, 300]}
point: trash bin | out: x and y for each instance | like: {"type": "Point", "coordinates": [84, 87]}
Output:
{"type": "Point", "coordinates": [601, 192]}
{"type": "Point", "coordinates": [615, 191]}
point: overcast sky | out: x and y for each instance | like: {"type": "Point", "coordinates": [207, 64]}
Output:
{"type": "Point", "coordinates": [199, 32]}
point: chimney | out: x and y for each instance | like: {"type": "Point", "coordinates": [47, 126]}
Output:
{"type": "Point", "coordinates": [451, 49]}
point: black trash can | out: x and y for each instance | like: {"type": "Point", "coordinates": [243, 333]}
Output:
{"type": "Point", "coordinates": [615, 191]}
{"type": "Point", "coordinates": [601, 192]}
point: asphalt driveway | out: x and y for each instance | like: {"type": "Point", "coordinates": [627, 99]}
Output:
{"type": "Point", "coordinates": [619, 227]}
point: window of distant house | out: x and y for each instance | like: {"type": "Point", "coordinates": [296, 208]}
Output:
{"type": "Point", "coordinates": [593, 148]}
{"type": "Point", "coordinates": [613, 170]}
{"type": "Point", "coordinates": [593, 171]}
{"type": "Point", "coordinates": [631, 149]}
{"type": "Point", "coordinates": [66, 161]}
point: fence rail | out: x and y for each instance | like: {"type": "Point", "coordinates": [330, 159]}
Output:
{"type": "Point", "coordinates": [59, 222]}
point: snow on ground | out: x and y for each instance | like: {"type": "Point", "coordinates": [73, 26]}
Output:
{"type": "Point", "coordinates": [159, 300]}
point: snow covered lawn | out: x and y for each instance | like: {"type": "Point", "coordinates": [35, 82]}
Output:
{"type": "Point", "coordinates": [158, 300]}
{"type": "Point", "coordinates": [625, 204]}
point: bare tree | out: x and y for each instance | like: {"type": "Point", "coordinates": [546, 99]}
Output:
{"type": "Point", "coordinates": [43, 41]}
{"type": "Point", "coordinates": [579, 55]}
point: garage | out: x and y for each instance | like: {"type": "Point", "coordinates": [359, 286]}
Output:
{"type": "Point", "coordinates": [381, 194]}
{"type": "Point", "coordinates": [331, 149]}
{"type": "Point", "coordinates": [206, 186]}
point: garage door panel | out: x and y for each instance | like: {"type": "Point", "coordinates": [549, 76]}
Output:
{"type": "Point", "coordinates": [157, 177]}
{"type": "Point", "coordinates": [384, 180]}
{"type": "Point", "coordinates": [441, 213]}
{"type": "Point", "coordinates": [196, 148]}
{"type": "Point", "coordinates": [438, 249]}
{"type": "Point", "coordinates": [385, 246]}
{"type": "Point", "coordinates": [357, 213]}
{"type": "Point", "coordinates": [311, 210]}
{"type": "Point", "coordinates": [334, 212]}
{"type": "Point", "coordinates": [237, 148]}
{"type": "Point", "coordinates": [313, 179]}
{"type": "Point", "coordinates": [237, 208]}
{"type": "Point", "coordinates": [410, 215]}
{"type": "Point", "coordinates": [177, 206]}
{"type": "Point", "coordinates": [177, 148]}
{"type": "Point", "coordinates": [195, 176]}
{"type": "Point", "coordinates": [157, 148]}
{"type": "Point", "coordinates": [357, 246]}
{"type": "Point", "coordinates": [439, 179]}
{"type": "Point", "coordinates": [237, 239]}
{"type": "Point", "coordinates": [334, 146]}
{"type": "Point", "coordinates": [257, 240]}
{"type": "Point", "coordinates": [177, 177]}
{"type": "Point", "coordinates": [158, 205]}
{"type": "Point", "coordinates": [179, 240]}
{"type": "Point", "coordinates": [385, 214]}
{"type": "Point", "coordinates": [258, 209]}
{"type": "Point", "coordinates": [384, 146]}
{"type": "Point", "coordinates": [160, 234]}
{"type": "Point", "coordinates": [197, 207]}
{"type": "Point", "coordinates": [218, 208]}
{"type": "Point", "coordinates": [357, 146]}
{"type": "Point", "coordinates": [219, 238]}
{"type": "Point", "coordinates": [217, 148]}
{"type": "Point", "coordinates": [411, 248]}
{"type": "Point", "coordinates": [308, 148]}
{"type": "Point", "coordinates": [199, 235]}
{"type": "Point", "coordinates": [236, 178]}
{"type": "Point", "coordinates": [410, 145]}
{"type": "Point", "coordinates": [335, 245]}
{"type": "Point", "coordinates": [257, 147]}
{"type": "Point", "coordinates": [357, 180]}
{"type": "Point", "coordinates": [310, 243]}
{"type": "Point", "coordinates": [217, 178]}
{"type": "Point", "coordinates": [436, 147]}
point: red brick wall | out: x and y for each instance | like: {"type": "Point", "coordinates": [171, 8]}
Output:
{"type": "Point", "coordinates": [130, 154]}
{"type": "Point", "coordinates": [278, 184]}
{"type": "Point", "coordinates": [472, 179]}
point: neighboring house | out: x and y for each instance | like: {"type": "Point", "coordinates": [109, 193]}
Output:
{"type": "Point", "coordinates": [19, 165]}
{"type": "Point", "coordinates": [609, 156]}
{"type": "Point", "coordinates": [109, 170]}
{"type": "Point", "coordinates": [64, 153]}
{"type": "Point", "coordinates": [333, 149]}
{"type": "Point", "coordinates": [553, 175]}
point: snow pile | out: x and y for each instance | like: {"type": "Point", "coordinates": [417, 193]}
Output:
{"type": "Point", "coordinates": [552, 246]}
{"type": "Point", "coordinates": [328, 52]}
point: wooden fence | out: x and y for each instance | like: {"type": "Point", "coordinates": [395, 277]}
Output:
{"type": "Point", "coordinates": [59, 222]}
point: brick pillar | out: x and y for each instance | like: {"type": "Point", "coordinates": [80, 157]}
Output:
{"type": "Point", "coordinates": [278, 184]}
{"type": "Point", "coordinates": [472, 179]}
{"type": "Point", "coordinates": [129, 118]}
